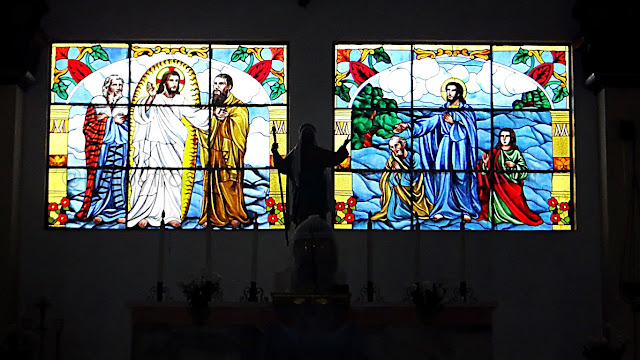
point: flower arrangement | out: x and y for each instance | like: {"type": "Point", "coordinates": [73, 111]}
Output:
{"type": "Point", "coordinates": [199, 289]}
{"type": "Point", "coordinates": [559, 211]}
{"type": "Point", "coordinates": [344, 211]}
{"type": "Point", "coordinates": [57, 211]}
{"type": "Point", "coordinates": [428, 297]}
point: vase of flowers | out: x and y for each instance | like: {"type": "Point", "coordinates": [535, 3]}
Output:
{"type": "Point", "coordinates": [199, 291]}
{"type": "Point", "coordinates": [428, 297]}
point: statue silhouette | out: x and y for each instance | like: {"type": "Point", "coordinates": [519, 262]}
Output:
{"type": "Point", "coordinates": [305, 167]}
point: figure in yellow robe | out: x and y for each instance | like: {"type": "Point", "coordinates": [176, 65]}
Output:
{"type": "Point", "coordinates": [223, 199]}
{"type": "Point", "coordinates": [403, 192]}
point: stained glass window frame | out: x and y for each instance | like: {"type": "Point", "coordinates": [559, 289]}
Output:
{"type": "Point", "coordinates": [266, 63]}
{"type": "Point", "coordinates": [559, 209]}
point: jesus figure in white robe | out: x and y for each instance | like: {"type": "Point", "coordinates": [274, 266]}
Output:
{"type": "Point", "coordinates": [159, 143]}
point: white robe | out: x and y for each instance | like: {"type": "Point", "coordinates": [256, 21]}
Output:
{"type": "Point", "coordinates": [159, 141]}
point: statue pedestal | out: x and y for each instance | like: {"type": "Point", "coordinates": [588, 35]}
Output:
{"type": "Point", "coordinates": [315, 258]}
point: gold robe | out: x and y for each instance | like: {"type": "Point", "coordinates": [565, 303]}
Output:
{"type": "Point", "coordinates": [414, 194]}
{"type": "Point", "coordinates": [223, 198]}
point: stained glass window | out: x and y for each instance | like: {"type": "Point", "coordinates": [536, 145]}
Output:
{"type": "Point", "coordinates": [478, 135]}
{"type": "Point", "coordinates": [144, 133]}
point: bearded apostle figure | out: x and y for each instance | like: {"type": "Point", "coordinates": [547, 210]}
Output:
{"type": "Point", "coordinates": [403, 192]}
{"type": "Point", "coordinates": [500, 189]}
{"type": "Point", "coordinates": [223, 203]}
{"type": "Point", "coordinates": [159, 148]}
{"type": "Point", "coordinates": [106, 132]}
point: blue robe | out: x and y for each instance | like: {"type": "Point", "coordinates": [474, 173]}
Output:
{"type": "Point", "coordinates": [450, 150]}
{"type": "Point", "coordinates": [108, 199]}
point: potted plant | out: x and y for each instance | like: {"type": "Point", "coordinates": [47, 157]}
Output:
{"type": "Point", "coordinates": [199, 290]}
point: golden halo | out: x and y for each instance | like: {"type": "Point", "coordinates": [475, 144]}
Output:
{"type": "Point", "coordinates": [443, 88]}
{"type": "Point", "coordinates": [188, 81]}
{"type": "Point", "coordinates": [171, 68]}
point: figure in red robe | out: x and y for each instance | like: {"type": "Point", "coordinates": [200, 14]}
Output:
{"type": "Point", "coordinates": [106, 141]}
{"type": "Point", "coordinates": [500, 188]}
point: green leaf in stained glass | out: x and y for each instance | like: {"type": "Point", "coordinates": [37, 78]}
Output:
{"type": "Point", "coordinates": [380, 55]}
{"type": "Point", "coordinates": [521, 57]}
{"type": "Point", "coordinates": [52, 220]}
{"type": "Point", "coordinates": [240, 54]}
{"type": "Point", "coordinates": [343, 93]}
{"type": "Point", "coordinates": [60, 89]}
{"type": "Point", "coordinates": [99, 53]}
{"type": "Point", "coordinates": [277, 89]}
{"type": "Point", "coordinates": [560, 93]}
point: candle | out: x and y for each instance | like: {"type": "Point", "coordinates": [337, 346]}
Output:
{"type": "Point", "coordinates": [416, 255]}
{"type": "Point", "coordinates": [254, 250]}
{"type": "Point", "coordinates": [369, 250]}
{"type": "Point", "coordinates": [208, 238]}
{"type": "Point", "coordinates": [463, 251]}
{"type": "Point", "coordinates": [160, 274]}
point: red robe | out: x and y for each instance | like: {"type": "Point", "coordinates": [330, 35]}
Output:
{"type": "Point", "coordinates": [508, 191]}
{"type": "Point", "coordinates": [93, 134]}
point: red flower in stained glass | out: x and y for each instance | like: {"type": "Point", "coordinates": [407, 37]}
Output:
{"type": "Point", "coordinates": [340, 206]}
{"type": "Point", "coordinates": [277, 54]}
{"type": "Point", "coordinates": [270, 202]}
{"type": "Point", "coordinates": [559, 57]}
{"type": "Point", "coordinates": [564, 206]}
{"type": "Point", "coordinates": [343, 55]}
{"type": "Point", "coordinates": [349, 218]}
{"type": "Point", "coordinates": [272, 218]}
{"type": "Point", "coordinates": [282, 206]}
{"type": "Point", "coordinates": [352, 201]}
{"type": "Point", "coordinates": [553, 202]}
{"type": "Point", "coordinates": [62, 53]}
{"type": "Point", "coordinates": [53, 206]}
{"type": "Point", "coordinates": [64, 202]}
{"type": "Point", "coordinates": [561, 163]}
{"type": "Point", "coordinates": [62, 219]}
{"type": "Point", "coordinates": [555, 218]}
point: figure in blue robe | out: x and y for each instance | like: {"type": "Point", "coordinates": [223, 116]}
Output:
{"type": "Point", "coordinates": [447, 143]}
{"type": "Point", "coordinates": [106, 144]}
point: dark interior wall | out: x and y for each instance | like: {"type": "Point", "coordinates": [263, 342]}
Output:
{"type": "Point", "coordinates": [547, 285]}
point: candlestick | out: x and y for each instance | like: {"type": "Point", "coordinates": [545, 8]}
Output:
{"type": "Point", "coordinates": [254, 250]}
{"type": "Point", "coordinates": [416, 255]}
{"type": "Point", "coordinates": [369, 250]}
{"type": "Point", "coordinates": [463, 250]}
{"type": "Point", "coordinates": [208, 243]}
{"type": "Point", "coordinates": [160, 272]}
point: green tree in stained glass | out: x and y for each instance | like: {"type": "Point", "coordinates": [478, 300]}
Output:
{"type": "Point", "coordinates": [369, 117]}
